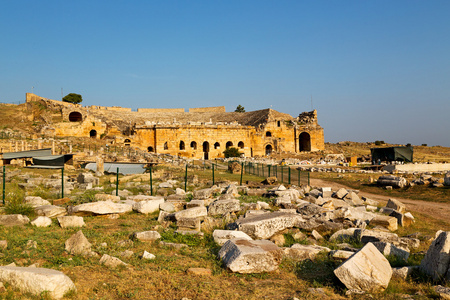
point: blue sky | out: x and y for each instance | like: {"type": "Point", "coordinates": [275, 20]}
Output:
{"type": "Point", "coordinates": [376, 70]}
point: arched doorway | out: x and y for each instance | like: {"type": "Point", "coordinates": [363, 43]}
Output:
{"type": "Point", "coordinates": [127, 142]}
{"type": "Point", "coordinates": [75, 117]}
{"type": "Point", "coordinates": [269, 149]}
{"type": "Point", "coordinates": [150, 149]}
{"type": "Point", "coordinates": [304, 141]}
{"type": "Point", "coordinates": [93, 134]}
{"type": "Point", "coordinates": [241, 145]}
{"type": "Point", "coordinates": [194, 145]}
{"type": "Point", "coordinates": [217, 145]}
{"type": "Point", "coordinates": [206, 150]}
{"type": "Point", "coordinates": [229, 144]}
{"type": "Point", "coordinates": [182, 147]}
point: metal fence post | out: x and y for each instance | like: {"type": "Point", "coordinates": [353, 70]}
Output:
{"type": "Point", "coordinates": [242, 172]}
{"type": "Point", "coordinates": [308, 179]}
{"type": "Point", "coordinates": [268, 166]}
{"type": "Point", "coordinates": [62, 182]}
{"type": "Point", "coordinates": [151, 182]}
{"type": "Point", "coordinates": [4, 184]}
{"type": "Point", "coordinates": [212, 172]}
{"type": "Point", "coordinates": [299, 177]}
{"type": "Point", "coordinates": [289, 175]}
{"type": "Point", "coordinates": [281, 173]}
{"type": "Point", "coordinates": [117, 182]}
{"type": "Point", "coordinates": [185, 178]}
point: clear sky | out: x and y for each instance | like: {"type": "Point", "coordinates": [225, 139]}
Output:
{"type": "Point", "coordinates": [376, 70]}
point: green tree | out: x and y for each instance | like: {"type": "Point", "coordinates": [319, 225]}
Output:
{"type": "Point", "coordinates": [232, 152]}
{"type": "Point", "coordinates": [240, 109]}
{"type": "Point", "coordinates": [73, 98]}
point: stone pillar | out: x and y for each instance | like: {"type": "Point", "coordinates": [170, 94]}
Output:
{"type": "Point", "coordinates": [70, 148]}
{"type": "Point", "coordinates": [23, 146]}
{"type": "Point", "coordinates": [16, 148]}
{"type": "Point", "coordinates": [26, 146]}
{"type": "Point", "coordinates": [100, 166]}
{"type": "Point", "coordinates": [39, 144]}
{"type": "Point", "coordinates": [53, 147]}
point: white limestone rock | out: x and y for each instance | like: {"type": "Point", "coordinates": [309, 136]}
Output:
{"type": "Point", "coordinates": [147, 255]}
{"type": "Point", "coordinates": [71, 221]}
{"type": "Point", "coordinates": [148, 206]}
{"type": "Point", "coordinates": [111, 261]}
{"type": "Point", "coordinates": [389, 249]}
{"type": "Point", "coordinates": [221, 207]}
{"type": "Point", "coordinates": [35, 201]}
{"type": "Point", "coordinates": [302, 252]}
{"type": "Point", "coordinates": [244, 256]}
{"type": "Point", "coordinates": [147, 236]}
{"type": "Point", "coordinates": [78, 244]}
{"type": "Point", "coordinates": [13, 220]}
{"type": "Point", "coordinates": [37, 280]}
{"type": "Point", "coordinates": [195, 212]}
{"type": "Point", "coordinates": [367, 270]}
{"type": "Point", "coordinates": [396, 205]}
{"type": "Point", "coordinates": [436, 262]}
{"type": "Point", "coordinates": [41, 221]}
{"type": "Point", "coordinates": [51, 211]}
{"type": "Point", "coordinates": [266, 225]}
{"type": "Point", "coordinates": [101, 208]}
{"type": "Point", "coordinates": [222, 236]}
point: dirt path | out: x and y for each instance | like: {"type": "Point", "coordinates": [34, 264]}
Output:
{"type": "Point", "coordinates": [440, 211]}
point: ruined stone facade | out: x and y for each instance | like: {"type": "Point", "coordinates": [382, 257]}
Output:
{"type": "Point", "coordinates": [201, 133]}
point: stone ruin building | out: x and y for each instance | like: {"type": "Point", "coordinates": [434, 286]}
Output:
{"type": "Point", "coordinates": [200, 133]}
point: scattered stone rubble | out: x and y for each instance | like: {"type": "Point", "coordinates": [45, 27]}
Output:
{"type": "Point", "coordinates": [255, 241]}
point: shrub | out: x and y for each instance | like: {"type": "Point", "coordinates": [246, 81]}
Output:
{"type": "Point", "coordinates": [232, 152]}
{"type": "Point", "coordinates": [15, 204]}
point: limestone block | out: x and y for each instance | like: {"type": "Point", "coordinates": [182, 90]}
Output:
{"type": "Point", "coordinates": [402, 273]}
{"type": "Point", "coordinates": [35, 201]}
{"type": "Point", "coordinates": [101, 208]}
{"type": "Point", "coordinates": [167, 207]}
{"type": "Point", "coordinates": [203, 194]}
{"type": "Point", "coordinates": [189, 223]}
{"type": "Point", "coordinates": [36, 281]}
{"type": "Point", "coordinates": [326, 192]}
{"type": "Point", "coordinates": [354, 199]}
{"type": "Point", "coordinates": [41, 221]}
{"type": "Point", "coordinates": [221, 236]}
{"type": "Point", "coordinates": [302, 252]}
{"type": "Point", "coordinates": [341, 193]}
{"type": "Point", "coordinates": [396, 205]}
{"type": "Point", "coordinates": [71, 221]}
{"type": "Point", "coordinates": [266, 225]}
{"type": "Point", "coordinates": [354, 214]}
{"type": "Point", "coordinates": [195, 203]}
{"type": "Point", "coordinates": [232, 190]}
{"type": "Point", "coordinates": [378, 236]}
{"type": "Point", "coordinates": [388, 222]}
{"type": "Point", "coordinates": [13, 220]}
{"type": "Point", "coordinates": [389, 249]}
{"type": "Point", "coordinates": [263, 205]}
{"type": "Point", "coordinates": [367, 270]}
{"type": "Point", "coordinates": [195, 212]}
{"type": "Point", "coordinates": [309, 209]}
{"type": "Point", "coordinates": [341, 254]}
{"type": "Point", "coordinates": [346, 234]}
{"type": "Point", "coordinates": [389, 180]}
{"type": "Point", "coordinates": [199, 271]}
{"type": "Point", "coordinates": [443, 291]}
{"type": "Point", "coordinates": [78, 244]}
{"type": "Point", "coordinates": [221, 207]}
{"type": "Point", "coordinates": [244, 256]}
{"type": "Point", "coordinates": [437, 260]}
{"type": "Point", "coordinates": [404, 220]}
{"type": "Point", "coordinates": [51, 211]}
{"type": "Point", "coordinates": [370, 201]}
{"type": "Point", "coordinates": [111, 261]}
{"type": "Point", "coordinates": [147, 236]}
{"type": "Point", "coordinates": [147, 255]}
{"type": "Point", "coordinates": [106, 197]}
{"type": "Point", "coordinates": [148, 206]}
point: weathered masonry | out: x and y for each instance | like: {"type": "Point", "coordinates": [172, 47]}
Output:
{"type": "Point", "coordinates": [201, 133]}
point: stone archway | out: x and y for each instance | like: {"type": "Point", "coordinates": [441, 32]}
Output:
{"type": "Point", "coordinates": [304, 141]}
{"type": "Point", "coordinates": [206, 150]}
{"type": "Point", "coordinates": [93, 134]}
{"type": "Point", "coordinates": [75, 117]}
{"type": "Point", "coordinates": [150, 149]}
{"type": "Point", "coordinates": [269, 149]}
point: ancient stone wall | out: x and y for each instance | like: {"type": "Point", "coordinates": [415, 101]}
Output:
{"type": "Point", "coordinates": [159, 110]}
{"type": "Point", "coordinates": [207, 109]}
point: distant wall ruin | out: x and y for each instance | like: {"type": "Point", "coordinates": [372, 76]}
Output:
{"type": "Point", "coordinates": [207, 109]}
{"type": "Point", "coordinates": [159, 110]}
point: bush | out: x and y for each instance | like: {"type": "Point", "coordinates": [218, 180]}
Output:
{"type": "Point", "coordinates": [232, 152]}
{"type": "Point", "coordinates": [15, 205]}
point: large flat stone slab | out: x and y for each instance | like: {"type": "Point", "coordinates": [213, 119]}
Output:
{"type": "Point", "coordinates": [51, 211]}
{"type": "Point", "coordinates": [13, 220]}
{"type": "Point", "coordinates": [148, 206]}
{"type": "Point", "coordinates": [195, 212]}
{"type": "Point", "coordinates": [266, 225]}
{"type": "Point", "coordinates": [437, 260]}
{"type": "Point", "coordinates": [222, 236]}
{"type": "Point", "coordinates": [37, 280]}
{"type": "Point", "coordinates": [101, 208]}
{"type": "Point", "coordinates": [244, 256]}
{"type": "Point", "coordinates": [367, 270]}
{"type": "Point", "coordinates": [221, 207]}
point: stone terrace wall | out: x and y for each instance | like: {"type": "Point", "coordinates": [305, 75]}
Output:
{"type": "Point", "coordinates": [207, 109]}
{"type": "Point", "coordinates": [111, 108]}
{"type": "Point", "coordinates": [159, 110]}
{"type": "Point", "coordinates": [29, 97]}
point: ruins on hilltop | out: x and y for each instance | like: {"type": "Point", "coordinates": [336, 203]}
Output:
{"type": "Point", "coordinates": [200, 133]}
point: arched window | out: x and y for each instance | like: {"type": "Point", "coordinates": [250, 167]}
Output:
{"type": "Point", "coordinates": [229, 144]}
{"type": "Point", "coordinates": [268, 133]}
{"type": "Point", "coordinates": [127, 142]}
{"type": "Point", "coordinates": [181, 145]}
{"type": "Point", "coordinates": [194, 145]}
{"type": "Point", "coordinates": [279, 123]}
{"type": "Point", "coordinates": [75, 117]}
{"type": "Point", "coordinates": [241, 144]}
{"type": "Point", "coordinates": [166, 146]}
{"type": "Point", "coordinates": [216, 145]}
{"type": "Point", "coordinates": [150, 149]}
{"type": "Point", "coordinates": [93, 134]}
{"type": "Point", "coordinates": [268, 149]}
